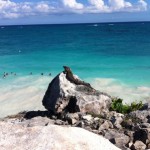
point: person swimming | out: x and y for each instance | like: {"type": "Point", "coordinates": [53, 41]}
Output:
{"type": "Point", "coordinates": [4, 76]}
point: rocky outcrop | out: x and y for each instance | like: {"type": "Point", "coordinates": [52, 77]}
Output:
{"type": "Point", "coordinates": [40, 134]}
{"type": "Point", "coordinates": [68, 93]}
{"type": "Point", "coordinates": [77, 104]}
{"type": "Point", "coordinates": [127, 132]}
{"type": "Point", "coordinates": [110, 125]}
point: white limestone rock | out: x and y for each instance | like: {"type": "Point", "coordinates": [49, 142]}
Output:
{"type": "Point", "coordinates": [138, 145]}
{"type": "Point", "coordinates": [88, 118]}
{"type": "Point", "coordinates": [61, 92]}
{"type": "Point", "coordinates": [51, 137]}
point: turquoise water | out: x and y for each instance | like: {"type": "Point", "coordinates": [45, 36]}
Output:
{"type": "Point", "coordinates": [114, 58]}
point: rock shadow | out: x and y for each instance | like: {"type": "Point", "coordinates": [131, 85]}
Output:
{"type": "Point", "coordinates": [72, 107]}
{"type": "Point", "coordinates": [32, 114]}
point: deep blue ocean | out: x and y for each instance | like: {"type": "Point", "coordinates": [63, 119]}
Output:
{"type": "Point", "coordinates": [113, 57]}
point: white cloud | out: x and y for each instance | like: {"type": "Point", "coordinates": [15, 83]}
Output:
{"type": "Point", "coordinates": [99, 5]}
{"type": "Point", "coordinates": [8, 9]}
{"type": "Point", "coordinates": [41, 7]}
{"type": "Point", "coordinates": [119, 4]}
{"type": "Point", "coordinates": [26, 8]}
{"type": "Point", "coordinates": [72, 4]}
{"type": "Point", "coordinates": [10, 15]}
{"type": "Point", "coordinates": [6, 4]}
{"type": "Point", "coordinates": [142, 5]}
{"type": "Point", "coordinates": [11, 9]}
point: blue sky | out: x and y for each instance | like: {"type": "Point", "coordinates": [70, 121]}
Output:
{"type": "Point", "coordinates": [72, 11]}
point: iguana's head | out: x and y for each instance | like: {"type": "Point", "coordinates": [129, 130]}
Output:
{"type": "Point", "coordinates": [67, 69]}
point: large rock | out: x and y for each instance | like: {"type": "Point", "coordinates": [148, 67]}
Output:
{"type": "Point", "coordinates": [18, 136]}
{"type": "Point", "coordinates": [140, 135]}
{"type": "Point", "coordinates": [65, 94]}
{"type": "Point", "coordinates": [119, 139]}
{"type": "Point", "coordinates": [138, 145]}
{"type": "Point", "coordinates": [116, 119]}
{"type": "Point", "coordinates": [141, 115]}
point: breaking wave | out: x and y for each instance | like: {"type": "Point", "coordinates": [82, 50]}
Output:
{"type": "Point", "coordinates": [116, 88]}
{"type": "Point", "coordinates": [26, 93]}
{"type": "Point", "coordinates": [23, 93]}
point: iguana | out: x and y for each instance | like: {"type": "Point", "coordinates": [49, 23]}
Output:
{"type": "Point", "coordinates": [71, 78]}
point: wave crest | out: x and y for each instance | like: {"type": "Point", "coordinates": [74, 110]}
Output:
{"type": "Point", "coordinates": [116, 88]}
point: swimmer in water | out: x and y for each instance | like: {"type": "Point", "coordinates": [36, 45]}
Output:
{"type": "Point", "coordinates": [4, 76]}
{"type": "Point", "coordinates": [42, 74]}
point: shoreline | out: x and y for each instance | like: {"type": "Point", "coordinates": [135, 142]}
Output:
{"type": "Point", "coordinates": [28, 92]}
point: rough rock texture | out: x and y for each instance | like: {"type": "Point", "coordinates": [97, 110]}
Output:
{"type": "Point", "coordinates": [63, 94]}
{"type": "Point", "coordinates": [17, 135]}
{"type": "Point", "coordinates": [117, 138]}
{"type": "Point", "coordinates": [129, 132]}
{"type": "Point", "coordinates": [138, 145]}
{"type": "Point", "coordinates": [140, 135]}
{"type": "Point", "coordinates": [143, 115]}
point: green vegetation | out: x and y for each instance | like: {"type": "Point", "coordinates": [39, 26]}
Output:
{"type": "Point", "coordinates": [119, 107]}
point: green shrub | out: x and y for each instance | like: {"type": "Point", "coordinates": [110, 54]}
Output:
{"type": "Point", "coordinates": [119, 107]}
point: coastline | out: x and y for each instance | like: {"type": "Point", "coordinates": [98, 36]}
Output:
{"type": "Point", "coordinates": [26, 92]}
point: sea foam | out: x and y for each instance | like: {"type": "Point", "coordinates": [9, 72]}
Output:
{"type": "Point", "coordinates": [22, 93]}
{"type": "Point", "coordinates": [26, 93]}
{"type": "Point", "coordinates": [116, 88]}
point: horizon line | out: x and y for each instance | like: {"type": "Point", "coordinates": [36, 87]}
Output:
{"type": "Point", "coordinates": [74, 23]}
